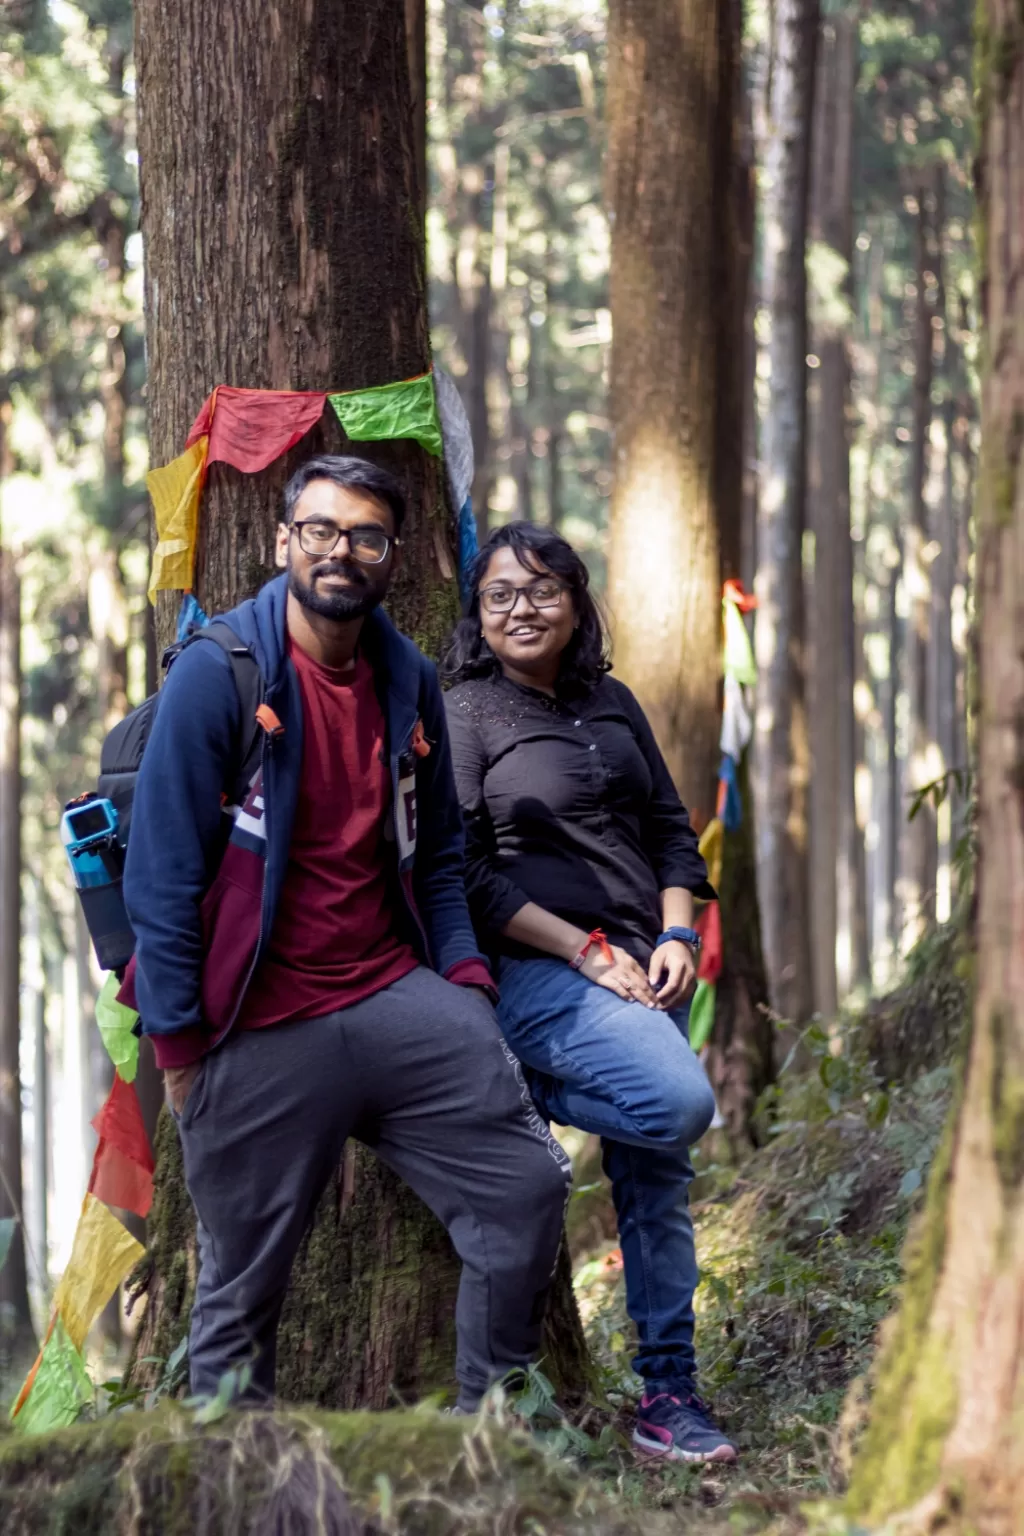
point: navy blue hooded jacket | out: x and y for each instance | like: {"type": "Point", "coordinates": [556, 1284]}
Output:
{"type": "Point", "coordinates": [202, 904]}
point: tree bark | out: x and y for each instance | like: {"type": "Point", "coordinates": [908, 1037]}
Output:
{"type": "Point", "coordinates": [681, 198]}
{"type": "Point", "coordinates": [16, 1332]}
{"type": "Point", "coordinates": [781, 760]}
{"type": "Point", "coordinates": [944, 1442]}
{"type": "Point", "coordinates": [291, 256]}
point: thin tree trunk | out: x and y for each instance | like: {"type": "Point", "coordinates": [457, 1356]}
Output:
{"type": "Point", "coordinates": [309, 274]}
{"type": "Point", "coordinates": [943, 1447]}
{"type": "Point", "coordinates": [16, 1333]}
{"type": "Point", "coordinates": [920, 833]}
{"type": "Point", "coordinates": [838, 899]}
{"type": "Point", "coordinates": [782, 766]}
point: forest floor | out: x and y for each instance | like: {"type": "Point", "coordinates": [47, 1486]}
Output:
{"type": "Point", "coordinates": [800, 1245]}
{"type": "Point", "coordinates": [800, 1251]}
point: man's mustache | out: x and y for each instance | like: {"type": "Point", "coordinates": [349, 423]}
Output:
{"type": "Point", "coordinates": [345, 568]}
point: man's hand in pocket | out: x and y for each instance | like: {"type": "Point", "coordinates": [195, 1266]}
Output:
{"type": "Point", "coordinates": [177, 1082]}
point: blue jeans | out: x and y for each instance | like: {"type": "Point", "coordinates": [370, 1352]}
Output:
{"type": "Point", "coordinates": [628, 1074]}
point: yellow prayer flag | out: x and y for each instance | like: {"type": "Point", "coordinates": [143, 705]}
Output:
{"type": "Point", "coordinates": [175, 491]}
{"type": "Point", "coordinates": [102, 1255]}
{"type": "Point", "coordinates": [711, 841]}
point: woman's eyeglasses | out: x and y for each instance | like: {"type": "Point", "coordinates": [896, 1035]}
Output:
{"type": "Point", "coordinates": [501, 596]}
{"type": "Point", "coordinates": [367, 545]}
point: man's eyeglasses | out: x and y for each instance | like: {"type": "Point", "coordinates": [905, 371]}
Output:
{"type": "Point", "coordinates": [367, 545]}
{"type": "Point", "coordinates": [501, 596]}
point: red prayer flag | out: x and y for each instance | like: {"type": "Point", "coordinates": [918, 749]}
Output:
{"type": "Point", "coordinates": [709, 926]}
{"type": "Point", "coordinates": [250, 428]}
{"type": "Point", "coordinates": [120, 1123]}
{"type": "Point", "coordinates": [119, 1181]}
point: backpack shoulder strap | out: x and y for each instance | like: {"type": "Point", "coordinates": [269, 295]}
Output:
{"type": "Point", "coordinates": [251, 686]}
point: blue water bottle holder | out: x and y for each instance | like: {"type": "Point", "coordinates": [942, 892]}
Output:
{"type": "Point", "coordinates": [89, 832]}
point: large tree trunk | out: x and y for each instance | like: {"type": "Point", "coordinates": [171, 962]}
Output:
{"type": "Point", "coordinates": [782, 765]}
{"type": "Point", "coordinates": [944, 1440]}
{"type": "Point", "coordinates": [284, 250]}
{"type": "Point", "coordinates": [681, 204]}
{"type": "Point", "coordinates": [664, 566]}
{"type": "Point", "coordinates": [16, 1335]}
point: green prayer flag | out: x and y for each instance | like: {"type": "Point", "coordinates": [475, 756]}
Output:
{"type": "Point", "coordinates": [61, 1389]}
{"type": "Point", "coordinates": [406, 409]}
{"type": "Point", "coordinates": [739, 658]}
{"type": "Point", "coordinates": [117, 1024]}
{"type": "Point", "coordinates": [702, 1015]}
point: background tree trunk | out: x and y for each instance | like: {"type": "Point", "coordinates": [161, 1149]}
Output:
{"type": "Point", "coordinates": [303, 268]}
{"type": "Point", "coordinates": [944, 1438]}
{"type": "Point", "coordinates": [838, 897]}
{"type": "Point", "coordinates": [781, 760]}
{"type": "Point", "coordinates": [16, 1333]}
{"type": "Point", "coordinates": [920, 834]}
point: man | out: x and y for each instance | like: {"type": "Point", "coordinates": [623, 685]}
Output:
{"type": "Point", "coordinates": [323, 979]}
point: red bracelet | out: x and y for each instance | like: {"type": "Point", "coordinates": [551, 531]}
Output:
{"type": "Point", "coordinates": [598, 937]}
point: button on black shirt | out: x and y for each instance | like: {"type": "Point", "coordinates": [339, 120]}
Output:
{"type": "Point", "coordinates": [568, 803]}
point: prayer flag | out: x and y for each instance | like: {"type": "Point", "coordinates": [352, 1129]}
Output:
{"type": "Point", "coordinates": [737, 726]}
{"type": "Point", "coordinates": [119, 1181]}
{"type": "Point", "coordinates": [406, 409]}
{"type": "Point", "coordinates": [102, 1255]}
{"type": "Point", "coordinates": [739, 658]}
{"type": "Point", "coordinates": [709, 926]}
{"type": "Point", "coordinates": [120, 1123]}
{"type": "Point", "coordinates": [730, 804]}
{"type": "Point", "coordinates": [57, 1389]}
{"type": "Point", "coordinates": [702, 1015]}
{"type": "Point", "coordinates": [190, 616]}
{"type": "Point", "coordinates": [250, 428]}
{"type": "Point", "coordinates": [117, 1029]}
{"type": "Point", "coordinates": [175, 490]}
{"type": "Point", "coordinates": [710, 846]}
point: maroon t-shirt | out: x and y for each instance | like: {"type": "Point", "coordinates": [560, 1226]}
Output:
{"type": "Point", "coordinates": [334, 939]}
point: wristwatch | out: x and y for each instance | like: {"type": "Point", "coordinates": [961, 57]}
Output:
{"type": "Point", "coordinates": [688, 936]}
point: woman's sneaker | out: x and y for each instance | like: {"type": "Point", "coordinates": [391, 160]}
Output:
{"type": "Point", "coordinates": [679, 1429]}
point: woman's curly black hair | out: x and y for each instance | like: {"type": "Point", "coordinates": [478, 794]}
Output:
{"type": "Point", "coordinates": [585, 659]}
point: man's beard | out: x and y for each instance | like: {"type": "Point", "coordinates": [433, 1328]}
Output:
{"type": "Point", "coordinates": [335, 605]}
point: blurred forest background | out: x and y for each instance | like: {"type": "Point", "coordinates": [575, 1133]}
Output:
{"type": "Point", "coordinates": [518, 252]}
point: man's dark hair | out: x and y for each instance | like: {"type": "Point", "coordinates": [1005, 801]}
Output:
{"type": "Point", "coordinates": [351, 473]}
{"type": "Point", "coordinates": [585, 659]}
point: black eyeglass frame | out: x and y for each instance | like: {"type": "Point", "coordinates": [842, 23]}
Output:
{"type": "Point", "coordinates": [390, 541]}
{"type": "Point", "coordinates": [528, 588]}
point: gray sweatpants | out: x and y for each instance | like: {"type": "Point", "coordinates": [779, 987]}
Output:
{"type": "Point", "coordinates": [418, 1072]}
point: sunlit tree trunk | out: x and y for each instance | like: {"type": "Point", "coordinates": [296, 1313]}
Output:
{"type": "Point", "coordinates": [681, 235]}
{"type": "Point", "coordinates": [944, 1444]}
{"type": "Point", "coordinates": [16, 1335]}
{"type": "Point", "coordinates": [310, 274]}
{"type": "Point", "coordinates": [782, 760]}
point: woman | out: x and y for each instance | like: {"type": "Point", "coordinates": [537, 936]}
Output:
{"type": "Point", "coordinates": [582, 869]}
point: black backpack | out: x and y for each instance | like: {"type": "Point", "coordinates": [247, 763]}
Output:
{"type": "Point", "coordinates": [123, 748]}
{"type": "Point", "coordinates": [120, 760]}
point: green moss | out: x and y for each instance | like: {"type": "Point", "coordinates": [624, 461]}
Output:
{"type": "Point", "coordinates": [1007, 1099]}
{"type": "Point", "coordinates": [914, 1398]}
{"type": "Point", "coordinates": [411, 1472]}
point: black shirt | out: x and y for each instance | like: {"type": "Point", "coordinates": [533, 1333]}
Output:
{"type": "Point", "coordinates": [567, 803]}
